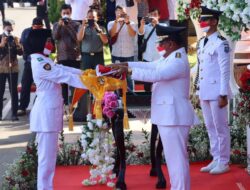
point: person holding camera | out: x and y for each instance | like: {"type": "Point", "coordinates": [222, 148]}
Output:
{"type": "Point", "coordinates": [79, 8]}
{"type": "Point", "coordinates": [9, 49]}
{"type": "Point", "coordinates": [122, 31]}
{"type": "Point", "coordinates": [92, 37]}
{"type": "Point", "coordinates": [65, 35]}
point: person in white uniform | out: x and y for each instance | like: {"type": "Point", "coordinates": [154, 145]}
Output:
{"type": "Point", "coordinates": [171, 109]}
{"type": "Point", "coordinates": [46, 118]}
{"type": "Point", "coordinates": [212, 83]}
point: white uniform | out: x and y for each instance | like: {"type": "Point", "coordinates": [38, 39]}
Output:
{"type": "Point", "coordinates": [46, 118]}
{"type": "Point", "coordinates": [171, 110]}
{"type": "Point", "coordinates": [214, 75]}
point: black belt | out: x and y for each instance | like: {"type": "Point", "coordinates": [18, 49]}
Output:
{"type": "Point", "coordinates": [92, 53]}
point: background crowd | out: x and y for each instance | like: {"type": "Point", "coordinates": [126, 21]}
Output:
{"type": "Point", "coordinates": [85, 29]}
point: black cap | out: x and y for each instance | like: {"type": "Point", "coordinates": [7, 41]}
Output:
{"type": "Point", "coordinates": [37, 21]}
{"type": "Point", "coordinates": [172, 32]}
{"type": "Point", "coordinates": [37, 39]}
{"type": "Point", "coordinates": [206, 12]}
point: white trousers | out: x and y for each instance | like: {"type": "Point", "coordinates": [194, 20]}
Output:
{"type": "Point", "coordinates": [174, 140]}
{"type": "Point", "coordinates": [216, 120]}
{"type": "Point", "coordinates": [47, 153]}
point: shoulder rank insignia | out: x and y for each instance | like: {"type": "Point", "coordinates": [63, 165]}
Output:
{"type": "Point", "coordinates": [178, 55]}
{"type": "Point", "coordinates": [226, 48]}
{"type": "Point", "coordinates": [221, 37]}
{"type": "Point", "coordinates": [47, 67]}
{"type": "Point", "coordinates": [40, 59]}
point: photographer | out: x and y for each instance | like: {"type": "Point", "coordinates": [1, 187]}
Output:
{"type": "Point", "coordinates": [65, 35]}
{"type": "Point", "coordinates": [125, 31]}
{"type": "Point", "coordinates": [92, 38]}
{"type": "Point", "coordinates": [9, 49]}
{"type": "Point", "coordinates": [147, 26]}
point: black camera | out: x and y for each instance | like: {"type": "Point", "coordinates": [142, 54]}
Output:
{"type": "Point", "coordinates": [123, 15]}
{"type": "Point", "coordinates": [148, 19]}
{"type": "Point", "coordinates": [91, 22]}
{"type": "Point", "coordinates": [66, 21]}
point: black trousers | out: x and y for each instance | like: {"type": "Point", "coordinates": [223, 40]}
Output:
{"type": "Point", "coordinates": [89, 61]}
{"type": "Point", "coordinates": [27, 80]}
{"type": "Point", "coordinates": [3, 14]}
{"type": "Point", "coordinates": [65, 90]}
{"type": "Point", "coordinates": [12, 81]}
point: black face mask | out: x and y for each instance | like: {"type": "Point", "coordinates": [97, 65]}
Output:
{"type": "Point", "coordinates": [91, 22]}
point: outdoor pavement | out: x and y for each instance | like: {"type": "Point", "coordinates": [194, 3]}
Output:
{"type": "Point", "coordinates": [15, 135]}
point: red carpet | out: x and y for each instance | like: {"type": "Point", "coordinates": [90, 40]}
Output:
{"type": "Point", "coordinates": [137, 178]}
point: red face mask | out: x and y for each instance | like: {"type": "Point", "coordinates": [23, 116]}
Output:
{"type": "Point", "coordinates": [48, 48]}
{"type": "Point", "coordinates": [204, 24]}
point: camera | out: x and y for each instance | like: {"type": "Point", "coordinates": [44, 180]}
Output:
{"type": "Point", "coordinates": [148, 19]}
{"type": "Point", "coordinates": [123, 15]}
{"type": "Point", "coordinates": [65, 19]}
{"type": "Point", "coordinates": [91, 22]}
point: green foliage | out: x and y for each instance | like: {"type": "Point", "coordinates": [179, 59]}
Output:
{"type": "Point", "coordinates": [54, 10]}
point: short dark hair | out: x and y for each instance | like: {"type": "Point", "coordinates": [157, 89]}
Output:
{"type": "Point", "coordinates": [92, 11]}
{"type": "Point", "coordinates": [154, 9]}
{"type": "Point", "coordinates": [66, 6]}
{"type": "Point", "coordinates": [37, 21]}
{"type": "Point", "coordinates": [118, 7]}
{"type": "Point", "coordinates": [7, 23]}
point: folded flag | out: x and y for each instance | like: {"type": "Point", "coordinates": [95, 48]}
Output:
{"type": "Point", "coordinates": [102, 70]}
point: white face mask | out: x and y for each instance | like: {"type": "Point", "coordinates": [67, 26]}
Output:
{"type": "Point", "coordinates": [161, 51]}
{"type": "Point", "coordinates": [66, 16]}
{"type": "Point", "coordinates": [7, 33]}
{"type": "Point", "coordinates": [46, 51]}
{"type": "Point", "coordinates": [205, 29]}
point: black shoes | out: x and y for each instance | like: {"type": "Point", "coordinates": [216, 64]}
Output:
{"type": "Point", "coordinates": [21, 112]}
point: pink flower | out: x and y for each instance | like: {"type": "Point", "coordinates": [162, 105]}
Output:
{"type": "Point", "coordinates": [105, 110]}
{"type": "Point", "coordinates": [110, 114]}
{"type": "Point", "coordinates": [113, 104]}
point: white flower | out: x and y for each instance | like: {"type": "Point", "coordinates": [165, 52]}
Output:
{"type": "Point", "coordinates": [86, 182]}
{"type": "Point", "coordinates": [84, 156]}
{"type": "Point", "coordinates": [232, 7]}
{"type": "Point", "coordinates": [89, 117]}
{"type": "Point", "coordinates": [99, 123]}
{"type": "Point", "coordinates": [83, 136]}
{"type": "Point", "coordinates": [236, 18]}
{"type": "Point", "coordinates": [110, 184]}
{"type": "Point", "coordinates": [112, 176]}
{"type": "Point", "coordinates": [90, 126]}
{"type": "Point", "coordinates": [89, 134]}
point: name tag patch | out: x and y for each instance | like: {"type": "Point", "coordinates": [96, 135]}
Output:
{"type": "Point", "coordinates": [47, 67]}
{"type": "Point", "coordinates": [40, 59]}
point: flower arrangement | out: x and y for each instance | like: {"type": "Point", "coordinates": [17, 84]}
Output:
{"type": "Point", "coordinates": [186, 9]}
{"type": "Point", "coordinates": [98, 151]}
{"type": "Point", "coordinates": [235, 17]}
{"type": "Point", "coordinates": [69, 153]}
{"type": "Point", "coordinates": [22, 173]}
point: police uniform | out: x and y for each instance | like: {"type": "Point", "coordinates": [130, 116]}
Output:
{"type": "Point", "coordinates": [46, 118]}
{"type": "Point", "coordinates": [171, 109]}
{"type": "Point", "coordinates": [213, 82]}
